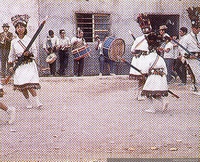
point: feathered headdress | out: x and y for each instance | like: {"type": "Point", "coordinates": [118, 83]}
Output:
{"type": "Point", "coordinates": [194, 15]}
{"type": "Point", "coordinates": [144, 22]}
{"type": "Point", "coordinates": [20, 19]}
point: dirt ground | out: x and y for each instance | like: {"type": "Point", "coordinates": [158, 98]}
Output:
{"type": "Point", "coordinates": [93, 118]}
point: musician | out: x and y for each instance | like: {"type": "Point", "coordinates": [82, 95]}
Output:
{"type": "Point", "coordinates": [102, 59]}
{"type": "Point", "coordinates": [78, 42]}
{"type": "Point", "coordinates": [9, 109]}
{"type": "Point", "coordinates": [64, 49]}
{"type": "Point", "coordinates": [5, 41]}
{"type": "Point", "coordinates": [155, 86]}
{"type": "Point", "coordinates": [141, 54]}
{"type": "Point", "coordinates": [192, 44]}
{"type": "Point", "coordinates": [26, 78]}
{"type": "Point", "coordinates": [51, 45]}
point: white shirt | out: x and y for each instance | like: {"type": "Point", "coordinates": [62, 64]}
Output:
{"type": "Point", "coordinates": [75, 39]}
{"type": "Point", "coordinates": [17, 50]}
{"type": "Point", "coordinates": [100, 48]}
{"type": "Point", "coordinates": [190, 43]}
{"type": "Point", "coordinates": [169, 54]}
{"type": "Point", "coordinates": [181, 50]}
{"type": "Point", "coordinates": [54, 41]}
{"type": "Point", "coordinates": [64, 42]}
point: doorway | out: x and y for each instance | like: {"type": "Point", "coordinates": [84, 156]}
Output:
{"type": "Point", "coordinates": [171, 21]}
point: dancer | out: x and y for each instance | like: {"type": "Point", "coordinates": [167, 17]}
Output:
{"type": "Point", "coordinates": [156, 87]}
{"type": "Point", "coordinates": [26, 78]}
{"type": "Point", "coordinates": [141, 55]}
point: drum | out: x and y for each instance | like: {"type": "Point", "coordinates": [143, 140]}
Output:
{"type": "Point", "coordinates": [51, 58]}
{"type": "Point", "coordinates": [81, 52]}
{"type": "Point", "coordinates": [113, 48]}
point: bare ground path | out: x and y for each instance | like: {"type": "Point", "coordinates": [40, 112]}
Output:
{"type": "Point", "coordinates": [95, 118]}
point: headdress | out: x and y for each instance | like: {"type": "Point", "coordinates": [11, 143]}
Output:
{"type": "Point", "coordinates": [144, 23]}
{"type": "Point", "coordinates": [20, 19]}
{"type": "Point", "coordinates": [194, 15]}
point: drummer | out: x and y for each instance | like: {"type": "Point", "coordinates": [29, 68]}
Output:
{"type": "Point", "coordinates": [102, 58]}
{"type": "Point", "coordinates": [77, 42]}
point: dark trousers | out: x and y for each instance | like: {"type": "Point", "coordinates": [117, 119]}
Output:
{"type": "Point", "coordinates": [181, 69]}
{"type": "Point", "coordinates": [63, 59]}
{"type": "Point", "coordinates": [103, 61]}
{"type": "Point", "coordinates": [78, 67]}
{"type": "Point", "coordinates": [169, 64]}
{"type": "Point", "coordinates": [53, 68]}
{"type": "Point", "coordinates": [4, 61]}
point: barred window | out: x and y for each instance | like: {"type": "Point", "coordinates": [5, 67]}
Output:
{"type": "Point", "coordinates": [93, 24]}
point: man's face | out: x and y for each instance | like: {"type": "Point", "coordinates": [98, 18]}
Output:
{"type": "Point", "coordinates": [195, 30]}
{"type": "Point", "coordinates": [5, 28]}
{"type": "Point", "coordinates": [161, 31]}
{"type": "Point", "coordinates": [51, 35]}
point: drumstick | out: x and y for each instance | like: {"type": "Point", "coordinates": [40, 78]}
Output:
{"type": "Point", "coordinates": [78, 29]}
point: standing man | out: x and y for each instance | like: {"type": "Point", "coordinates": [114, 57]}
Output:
{"type": "Point", "coordinates": [102, 59]}
{"type": "Point", "coordinates": [78, 42]}
{"type": "Point", "coordinates": [192, 44]}
{"type": "Point", "coordinates": [162, 34]}
{"type": "Point", "coordinates": [51, 45]}
{"type": "Point", "coordinates": [99, 46]}
{"type": "Point", "coordinates": [180, 66]}
{"type": "Point", "coordinates": [64, 48]}
{"type": "Point", "coordinates": [168, 56]}
{"type": "Point", "coordinates": [141, 55]}
{"type": "Point", "coordinates": [5, 41]}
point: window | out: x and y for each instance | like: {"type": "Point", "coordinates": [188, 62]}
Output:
{"type": "Point", "coordinates": [93, 24]}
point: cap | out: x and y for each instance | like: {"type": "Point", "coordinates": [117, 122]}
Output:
{"type": "Point", "coordinates": [5, 25]}
{"type": "Point", "coordinates": [162, 27]}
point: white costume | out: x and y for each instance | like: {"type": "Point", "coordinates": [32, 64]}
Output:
{"type": "Point", "coordinates": [156, 86]}
{"type": "Point", "coordinates": [26, 75]}
{"type": "Point", "coordinates": [156, 83]}
{"type": "Point", "coordinates": [191, 44]}
{"type": "Point", "coordinates": [141, 62]}
{"type": "Point", "coordinates": [140, 43]}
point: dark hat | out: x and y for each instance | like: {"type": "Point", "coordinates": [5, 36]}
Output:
{"type": "Point", "coordinates": [184, 29]}
{"type": "Point", "coordinates": [5, 25]}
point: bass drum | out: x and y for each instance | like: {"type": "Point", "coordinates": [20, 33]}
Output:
{"type": "Point", "coordinates": [113, 48]}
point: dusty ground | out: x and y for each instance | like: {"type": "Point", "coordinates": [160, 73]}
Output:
{"type": "Point", "coordinates": [93, 118]}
